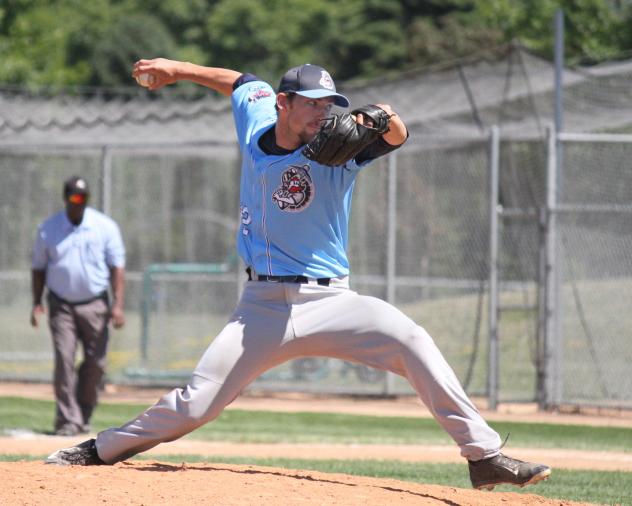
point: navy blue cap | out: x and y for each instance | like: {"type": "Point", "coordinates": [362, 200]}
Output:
{"type": "Point", "coordinates": [311, 81]}
{"type": "Point", "coordinates": [75, 184]}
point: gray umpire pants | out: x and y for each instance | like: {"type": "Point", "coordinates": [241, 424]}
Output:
{"type": "Point", "coordinates": [76, 391]}
{"type": "Point", "coordinates": [276, 322]}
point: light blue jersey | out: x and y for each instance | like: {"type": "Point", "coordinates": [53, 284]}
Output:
{"type": "Point", "coordinates": [77, 258]}
{"type": "Point", "coordinates": [294, 211]}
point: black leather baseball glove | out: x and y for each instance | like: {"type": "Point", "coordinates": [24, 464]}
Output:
{"type": "Point", "coordinates": [341, 138]}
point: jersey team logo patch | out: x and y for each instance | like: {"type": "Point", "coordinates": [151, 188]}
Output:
{"type": "Point", "coordinates": [296, 191]}
{"type": "Point", "coordinates": [258, 93]}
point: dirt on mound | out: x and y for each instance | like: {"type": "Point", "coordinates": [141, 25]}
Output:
{"type": "Point", "coordinates": [155, 483]}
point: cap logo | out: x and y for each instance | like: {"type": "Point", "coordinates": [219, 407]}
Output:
{"type": "Point", "coordinates": [81, 184]}
{"type": "Point", "coordinates": [326, 80]}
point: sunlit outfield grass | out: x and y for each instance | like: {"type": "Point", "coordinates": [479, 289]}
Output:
{"type": "Point", "coordinates": [247, 426]}
{"type": "Point", "coordinates": [280, 427]}
{"type": "Point", "coordinates": [597, 487]}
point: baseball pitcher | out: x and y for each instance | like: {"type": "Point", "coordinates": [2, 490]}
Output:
{"type": "Point", "coordinates": [299, 167]}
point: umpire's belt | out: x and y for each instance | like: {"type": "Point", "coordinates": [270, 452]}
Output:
{"type": "Point", "coordinates": [103, 295]}
{"type": "Point", "coordinates": [296, 279]}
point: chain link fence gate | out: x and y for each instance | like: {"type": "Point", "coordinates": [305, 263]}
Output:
{"type": "Point", "coordinates": [590, 289]}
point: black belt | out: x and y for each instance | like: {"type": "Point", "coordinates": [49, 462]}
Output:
{"type": "Point", "coordinates": [102, 295]}
{"type": "Point", "coordinates": [287, 279]}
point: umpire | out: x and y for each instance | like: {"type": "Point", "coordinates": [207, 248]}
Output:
{"type": "Point", "coordinates": [78, 252]}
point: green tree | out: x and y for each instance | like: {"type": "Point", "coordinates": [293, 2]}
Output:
{"type": "Point", "coordinates": [186, 20]}
{"type": "Point", "coordinates": [593, 28]}
{"type": "Point", "coordinates": [123, 43]}
{"type": "Point", "coordinates": [70, 42]}
{"type": "Point", "coordinates": [369, 38]}
{"type": "Point", "coordinates": [34, 45]}
{"type": "Point", "coordinates": [268, 37]}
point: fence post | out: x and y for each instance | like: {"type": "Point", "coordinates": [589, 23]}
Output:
{"type": "Point", "coordinates": [551, 334]}
{"type": "Point", "coordinates": [145, 310]}
{"type": "Point", "coordinates": [391, 249]}
{"type": "Point", "coordinates": [106, 180]}
{"type": "Point", "coordinates": [559, 79]}
{"type": "Point", "coordinates": [541, 352]}
{"type": "Point", "coordinates": [494, 178]}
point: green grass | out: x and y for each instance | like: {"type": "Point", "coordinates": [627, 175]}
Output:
{"type": "Point", "coordinates": [275, 427]}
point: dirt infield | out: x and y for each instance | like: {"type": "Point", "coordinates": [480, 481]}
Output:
{"type": "Point", "coordinates": [152, 483]}
{"type": "Point", "coordinates": [155, 483]}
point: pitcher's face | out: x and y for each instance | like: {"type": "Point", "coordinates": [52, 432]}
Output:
{"type": "Point", "coordinates": [306, 115]}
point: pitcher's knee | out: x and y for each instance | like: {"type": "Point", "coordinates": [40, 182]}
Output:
{"type": "Point", "coordinates": [194, 406]}
{"type": "Point", "coordinates": [411, 337]}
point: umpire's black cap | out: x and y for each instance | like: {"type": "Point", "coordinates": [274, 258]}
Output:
{"type": "Point", "coordinates": [311, 81]}
{"type": "Point", "coordinates": [76, 185]}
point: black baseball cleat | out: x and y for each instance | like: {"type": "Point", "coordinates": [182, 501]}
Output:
{"type": "Point", "coordinates": [487, 473]}
{"type": "Point", "coordinates": [84, 454]}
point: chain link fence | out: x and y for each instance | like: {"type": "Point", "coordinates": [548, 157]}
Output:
{"type": "Point", "coordinates": [433, 204]}
{"type": "Point", "coordinates": [423, 229]}
{"type": "Point", "coordinates": [180, 206]}
{"type": "Point", "coordinates": [592, 353]}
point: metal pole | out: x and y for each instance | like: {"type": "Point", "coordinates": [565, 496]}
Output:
{"type": "Point", "coordinates": [492, 373]}
{"type": "Point", "coordinates": [559, 69]}
{"type": "Point", "coordinates": [541, 364]}
{"type": "Point", "coordinates": [558, 179]}
{"type": "Point", "coordinates": [391, 229]}
{"type": "Point", "coordinates": [391, 250]}
{"type": "Point", "coordinates": [146, 308]}
{"type": "Point", "coordinates": [106, 180]}
{"type": "Point", "coordinates": [559, 91]}
{"type": "Point", "coordinates": [551, 355]}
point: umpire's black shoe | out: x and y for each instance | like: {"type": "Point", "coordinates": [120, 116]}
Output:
{"type": "Point", "coordinates": [487, 473]}
{"type": "Point", "coordinates": [84, 454]}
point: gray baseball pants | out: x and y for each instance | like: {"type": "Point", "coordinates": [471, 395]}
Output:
{"type": "Point", "coordinates": [76, 391]}
{"type": "Point", "coordinates": [276, 322]}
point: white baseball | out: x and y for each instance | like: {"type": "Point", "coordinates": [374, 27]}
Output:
{"type": "Point", "coordinates": [145, 80]}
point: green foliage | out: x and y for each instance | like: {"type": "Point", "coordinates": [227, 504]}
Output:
{"type": "Point", "coordinates": [593, 28]}
{"type": "Point", "coordinates": [69, 42]}
{"type": "Point", "coordinates": [34, 46]}
{"type": "Point", "coordinates": [266, 38]}
{"type": "Point", "coordinates": [123, 43]}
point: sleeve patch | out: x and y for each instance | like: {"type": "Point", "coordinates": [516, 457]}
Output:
{"type": "Point", "coordinates": [257, 92]}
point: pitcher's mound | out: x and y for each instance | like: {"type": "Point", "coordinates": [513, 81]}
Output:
{"type": "Point", "coordinates": [154, 483]}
